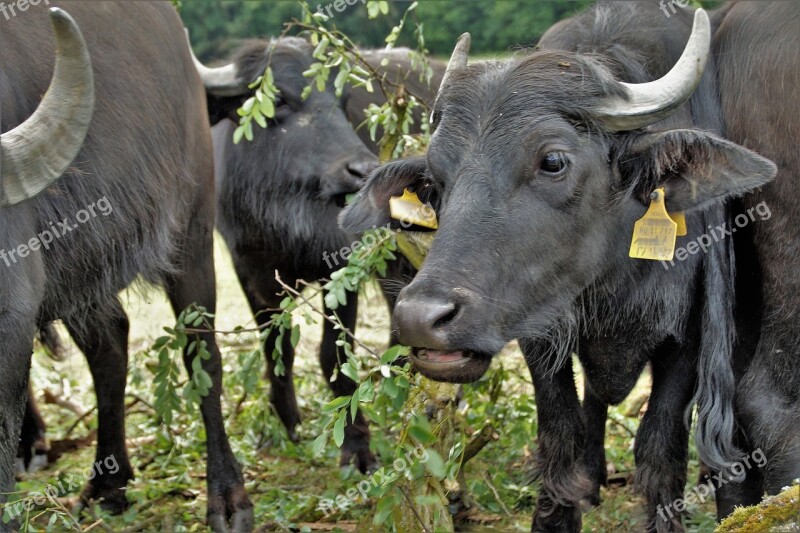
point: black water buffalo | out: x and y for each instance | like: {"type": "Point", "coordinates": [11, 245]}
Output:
{"type": "Point", "coordinates": [152, 168]}
{"type": "Point", "coordinates": [279, 196]}
{"type": "Point", "coordinates": [550, 159]}
{"type": "Point", "coordinates": [68, 107]}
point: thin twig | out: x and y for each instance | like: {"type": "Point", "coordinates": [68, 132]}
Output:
{"type": "Point", "coordinates": [299, 295]}
{"type": "Point", "coordinates": [414, 509]}
{"type": "Point", "coordinates": [496, 495]}
{"type": "Point", "coordinates": [350, 48]}
{"type": "Point", "coordinates": [138, 399]}
{"type": "Point", "coordinates": [623, 426]}
{"type": "Point", "coordinates": [79, 420]}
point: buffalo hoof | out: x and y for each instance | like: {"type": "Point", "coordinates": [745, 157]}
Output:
{"type": "Point", "coordinates": [112, 500]}
{"type": "Point", "coordinates": [362, 457]}
{"type": "Point", "coordinates": [558, 520]}
{"type": "Point", "coordinates": [657, 525]}
{"type": "Point", "coordinates": [232, 513]}
{"type": "Point", "coordinates": [592, 500]}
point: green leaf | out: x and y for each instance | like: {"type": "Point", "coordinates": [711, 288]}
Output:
{"type": "Point", "coordinates": [336, 403]}
{"type": "Point", "coordinates": [389, 388]}
{"type": "Point", "coordinates": [238, 134]}
{"type": "Point", "coordinates": [421, 430]}
{"type": "Point", "coordinates": [435, 464]}
{"type": "Point", "coordinates": [391, 355]}
{"type": "Point", "coordinates": [384, 509]}
{"type": "Point", "coordinates": [348, 370]}
{"type": "Point", "coordinates": [331, 301]}
{"type": "Point", "coordinates": [267, 108]}
{"type": "Point", "coordinates": [319, 443]}
{"type": "Point", "coordinates": [260, 120]}
{"type": "Point", "coordinates": [295, 335]}
{"type": "Point", "coordinates": [366, 391]}
{"type": "Point", "coordinates": [319, 51]}
{"type": "Point", "coordinates": [354, 403]}
{"type": "Point", "coordinates": [248, 105]}
{"type": "Point", "coordinates": [338, 429]}
{"type": "Point", "coordinates": [427, 499]}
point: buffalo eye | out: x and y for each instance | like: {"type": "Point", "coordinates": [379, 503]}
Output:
{"type": "Point", "coordinates": [553, 163]}
{"type": "Point", "coordinates": [282, 108]}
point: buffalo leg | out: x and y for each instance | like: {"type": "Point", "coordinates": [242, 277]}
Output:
{"type": "Point", "coordinates": [17, 328]}
{"type": "Point", "coordinates": [102, 335]}
{"type": "Point", "coordinates": [769, 404]}
{"type": "Point", "coordinates": [595, 412]}
{"type": "Point", "coordinates": [356, 432]}
{"type": "Point", "coordinates": [748, 492]}
{"type": "Point", "coordinates": [196, 285]}
{"type": "Point", "coordinates": [262, 291]}
{"type": "Point", "coordinates": [661, 448]}
{"type": "Point", "coordinates": [33, 439]}
{"type": "Point", "coordinates": [561, 444]}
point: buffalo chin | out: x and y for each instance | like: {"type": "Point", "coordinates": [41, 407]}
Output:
{"type": "Point", "coordinates": [458, 366]}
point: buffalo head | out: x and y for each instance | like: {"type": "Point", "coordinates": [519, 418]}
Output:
{"type": "Point", "coordinates": [310, 142]}
{"type": "Point", "coordinates": [540, 167]}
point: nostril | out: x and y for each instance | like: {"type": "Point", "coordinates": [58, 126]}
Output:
{"type": "Point", "coordinates": [361, 169]}
{"type": "Point", "coordinates": [426, 321]}
{"type": "Point", "coordinates": [446, 313]}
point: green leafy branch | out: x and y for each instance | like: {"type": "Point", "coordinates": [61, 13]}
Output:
{"type": "Point", "coordinates": [167, 380]}
{"type": "Point", "coordinates": [335, 51]}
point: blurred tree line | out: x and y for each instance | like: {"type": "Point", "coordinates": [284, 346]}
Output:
{"type": "Point", "coordinates": [217, 26]}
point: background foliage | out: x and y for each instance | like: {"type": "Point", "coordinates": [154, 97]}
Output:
{"type": "Point", "coordinates": [497, 26]}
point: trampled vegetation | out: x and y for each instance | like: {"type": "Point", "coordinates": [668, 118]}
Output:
{"type": "Point", "coordinates": [287, 482]}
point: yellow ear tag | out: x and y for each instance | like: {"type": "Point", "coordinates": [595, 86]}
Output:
{"type": "Point", "coordinates": [654, 234]}
{"type": "Point", "coordinates": [680, 220]}
{"type": "Point", "coordinates": [409, 208]}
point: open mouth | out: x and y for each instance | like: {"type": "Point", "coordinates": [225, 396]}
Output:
{"type": "Point", "coordinates": [458, 366]}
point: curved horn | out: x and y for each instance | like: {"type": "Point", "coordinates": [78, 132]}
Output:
{"type": "Point", "coordinates": [647, 103]}
{"type": "Point", "coordinates": [220, 81]}
{"type": "Point", "coordinates": [458, 60]}
{"type": "Point", "coordinates": [460, 55]}
{"type": "Point", "coordinates": [38, 151]}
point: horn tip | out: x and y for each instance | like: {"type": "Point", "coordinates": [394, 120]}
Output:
{"type": "Point", "coordinates": [62, 21]}
{"type": "Point", "coordinates": [59, 14]}
{"type": "Point", "coordinates": [700, 16]}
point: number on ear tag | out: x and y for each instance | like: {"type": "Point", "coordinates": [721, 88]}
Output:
{"type": "Point", "coordinates": [408, 208]}
{"type": "Point", "coordinates": [654, 234]}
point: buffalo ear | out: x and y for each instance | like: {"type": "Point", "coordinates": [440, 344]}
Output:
{"type": "Point", "coordinates": [370, 209]}
{"type": "Point", "coordinates": [696, 168]}
{"type": "Point", "coordinates": [222, 107]}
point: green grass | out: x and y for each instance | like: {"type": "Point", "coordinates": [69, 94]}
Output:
{"type": "Point", "coordinates": [285, 481]}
